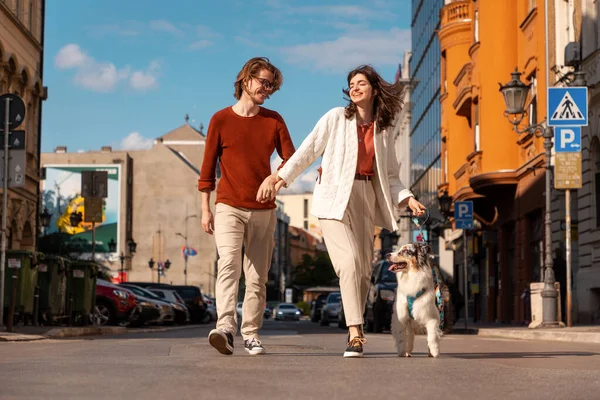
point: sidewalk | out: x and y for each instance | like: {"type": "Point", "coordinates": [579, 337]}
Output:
{"type": "Point", "coordinates": [576, 334]}
{"type": "Point", "coordinates": [33, 333]}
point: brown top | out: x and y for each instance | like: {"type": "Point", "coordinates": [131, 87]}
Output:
{"type": "Point", "coordinates": [366, 150]}
{"type": "Point", "coordinates": [243, 147]}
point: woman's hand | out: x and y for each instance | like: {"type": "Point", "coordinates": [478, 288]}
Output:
{"type": "Point", "coordinates": [417, 208]}
{"type": "Point", "coordinates": [266, 191]}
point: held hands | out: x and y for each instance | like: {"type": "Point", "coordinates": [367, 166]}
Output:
{"type": "Point", "coordinates": [417, 208]}
{"type": "Point", "coordinates": [269, 188]}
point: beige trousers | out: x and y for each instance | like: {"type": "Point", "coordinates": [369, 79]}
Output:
{"type": "Point", "coordinates": [350, 246]}
{"type": "Point", "coordinates": [254, 230]}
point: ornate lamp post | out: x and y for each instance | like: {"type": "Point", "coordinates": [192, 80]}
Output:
{"type": "Point", "coordinates": [445, 204]}
{"type": "Point", "coordinates": [132, 245]}
{"type": "Point", "coordinates": [515, 95]}
{"type": "Point", "coordinates": [151, 263]}
{"type": "Point", "coordinates": [45, 218]}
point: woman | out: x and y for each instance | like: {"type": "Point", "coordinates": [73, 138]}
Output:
{"type": "Point", "coordinates": [358, 185]}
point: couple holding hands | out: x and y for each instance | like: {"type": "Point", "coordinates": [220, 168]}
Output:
{"type": "Point", "coordinates": [358, 187]}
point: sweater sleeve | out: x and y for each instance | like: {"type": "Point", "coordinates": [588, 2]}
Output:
{"type": "Point", "coordinates": [212, 151]}
{"type": "Point", "coordinates": [285, 146]}
{"type": "Point", "coordinates": [311, 148]}
{"type": "Point", "coordinates": [398, 191]}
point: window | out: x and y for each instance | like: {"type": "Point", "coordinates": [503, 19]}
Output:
{"type": "Point", "coordinates": [533, 117]}
{"type": "Point", "coordinates": [595, 165]}
{"type": "Point", "coordinates": [305, 225]}
{"type": "Point", "coordinates": [31, 16]}
{"type": "Point", "coordinates": [305, 208]}
{"type": "Point", "coordinates": [444, 76]}
{"type": "Point", "coordinates": [18, 9]}
{"type": "Point", "coordinates": [477, 140]}
{"type": "Point", "coordinates": [476, 30]}
{"type": "Point", "coordinates": [531, 5]}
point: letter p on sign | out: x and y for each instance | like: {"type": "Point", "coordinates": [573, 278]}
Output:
{"type": "Point", "coordinates": [567, 139]}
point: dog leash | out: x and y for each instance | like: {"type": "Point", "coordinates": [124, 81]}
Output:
{"type": "Point", "coordinates": [436, 279]}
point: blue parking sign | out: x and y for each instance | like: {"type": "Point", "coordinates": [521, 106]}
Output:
{"type": "Point", "coordinates": [463, 214]}
{"type": "Point", "coordinates": [568, 106]}
{"type": "Point", "coordinates": [567, 139]}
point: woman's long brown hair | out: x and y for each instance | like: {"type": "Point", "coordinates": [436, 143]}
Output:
{"type": "Point", "coordinates": [387, 97]}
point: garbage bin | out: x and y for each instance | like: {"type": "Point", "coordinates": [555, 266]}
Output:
{"type": "Point", "coordinates": [81, 284]}
{"type": "Point", "coordinates": [20, 273]}
{"type": "Point", "coordinates": [52, 281]}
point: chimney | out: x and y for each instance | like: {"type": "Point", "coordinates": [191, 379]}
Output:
{"type": "Point", "coordinates": [106, 149]}
{"type": "Point", "coordinates": [60, 149]}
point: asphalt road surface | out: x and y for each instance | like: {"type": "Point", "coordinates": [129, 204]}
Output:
{"type": "Point", "coordinates": [304, 361]}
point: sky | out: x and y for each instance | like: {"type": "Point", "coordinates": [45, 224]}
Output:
{"type": "Point", "coordinates": [122, 73]}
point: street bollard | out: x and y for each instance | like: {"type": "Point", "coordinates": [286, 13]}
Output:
{"type": "Point", "coordinates": [11, 307]}
{"type": "Point", "coordinates": [36, 305]}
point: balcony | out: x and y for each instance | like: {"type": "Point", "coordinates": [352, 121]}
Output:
{"type": "Point", "coordinates": [456, 12]}
{"type": "Point", "coordinates": [464, 89]}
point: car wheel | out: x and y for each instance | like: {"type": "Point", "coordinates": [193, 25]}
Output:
{"type": "Point", "coordinates": [103, 313]}
{"type": "Point", "coordinates": [324, 322]}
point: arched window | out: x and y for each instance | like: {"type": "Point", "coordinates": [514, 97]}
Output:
{"type": "Point", "coordinates": [595, 169]}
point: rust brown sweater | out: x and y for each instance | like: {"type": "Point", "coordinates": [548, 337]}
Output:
{"type": "Point", "coordinates": [243, 146]}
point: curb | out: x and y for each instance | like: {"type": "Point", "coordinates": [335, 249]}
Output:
{"type": "Point", "coordinates": [533, 334]}
{"type": "Point", "coordinates": [84, 331]}
{"type": "Point", "coordinates": [18, 337]}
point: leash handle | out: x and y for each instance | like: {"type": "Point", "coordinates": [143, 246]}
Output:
{"type": "Point", "coordinates": [419, 224]}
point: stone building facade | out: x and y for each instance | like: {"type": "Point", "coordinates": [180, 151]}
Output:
{"type": "Point", "coordinates": [21, 72]}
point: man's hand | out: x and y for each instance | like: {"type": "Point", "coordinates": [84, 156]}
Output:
{"type": "Point", "coordinates": [266, 191]}
{"type": "Point", "coordinates": [280, 183]}
{"type": "Point", "coordinates": [417, 208]}
{"type": "Point", "coordinates": [208, 221]}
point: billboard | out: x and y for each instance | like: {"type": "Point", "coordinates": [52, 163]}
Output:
{"type": "Point", "coordinates": [61, 196]}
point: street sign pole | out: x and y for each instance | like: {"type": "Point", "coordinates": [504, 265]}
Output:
{"type": "Point", "coordinates": [466, 277]}
{"type": "Point", "coordinates": [4, 205]}
{"type": "Point", "coordinates": [568, 246]}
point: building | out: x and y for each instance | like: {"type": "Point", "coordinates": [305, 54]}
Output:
{"type": "Point", "coordinates": [484, 160]}
{"type": "Point", "coordinates": [21, 72]}
{"type": "Point", "coordinates": [425, 120]}
{"type": "Point", "coordinates": [302, 243]}
{"type": "Point", "coordinates": [152, 199]}
{"type": "Point", "coordinates": [587, 278]}
{"type": "Point", "coordinates": [297, 207]}
{"type": "Point", "coordinates": [280, 274]}
{"type": "Point", "coordinates": [402, 142]}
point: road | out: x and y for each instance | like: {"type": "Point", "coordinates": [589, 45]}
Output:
{"type": "Point", "coordinates": [304, 362]}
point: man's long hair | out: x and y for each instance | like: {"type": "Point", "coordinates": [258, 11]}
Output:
{"type": "Point", "coordinates": [251, 69]}
{"type": "Point", "coordinates": [387, 97]}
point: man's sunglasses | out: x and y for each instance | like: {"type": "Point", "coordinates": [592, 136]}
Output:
{"type": "Point", "coordinates": [267, 84]}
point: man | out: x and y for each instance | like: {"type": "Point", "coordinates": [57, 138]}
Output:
{"type": "Point", "coordinates": [242, 139]}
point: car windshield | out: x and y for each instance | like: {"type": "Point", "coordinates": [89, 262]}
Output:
{"type": "Point", "coordinates": [178, 297]}
{"type": "Point", "coordinates": [333, 298]}
{"type": "Point", "coordinates": [188, 292]}
{"type": "Point", "coordinates": [287, 306]}
{"type": "Point", "coordinates": [142, 292]}
{"type": "Point", "coordinates": [387, 275]}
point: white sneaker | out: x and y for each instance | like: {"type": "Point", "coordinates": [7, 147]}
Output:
{"type": "Point", "coordinates": [254, 346]}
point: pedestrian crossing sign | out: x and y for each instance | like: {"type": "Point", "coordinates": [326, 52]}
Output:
{"type": "Point", "coordinates": [568, 106]}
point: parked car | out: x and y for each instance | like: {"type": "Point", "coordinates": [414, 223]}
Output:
{"type": "Point", "coordinates": [182, 314]}
{"type": "Point", "coordinates": [114, 304]}
{"type": "Point", "coordinates": [286, 311]}
{"type": "Point", "coordinates": [316, 306]}
{"type": "Point", "coordinates": [331, 308]}
{"type": "Point", "coordinates": [166, 310]}
{"type": "Point", "coordinates": [192, 295]}
{"type": "Point", "coordinates": [238, 309]}
{"type": "Point", "coordinates": [380, 300]}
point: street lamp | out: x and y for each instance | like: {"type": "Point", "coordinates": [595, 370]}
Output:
{"type": "Point", "coordinates": [45, 218]}
{"type": "Point", "coordinates": [445, 204]}
{"type": "Point", "coordinates": [112, 245]}
{"type": "Point", "coordinates": [515, 95]}
{"type": "Point", "coordinates": [185, 237]}
{"type": "Point", "coordinates": [131, 247]}
{"type": "Point", "coordinates": [151, 263]}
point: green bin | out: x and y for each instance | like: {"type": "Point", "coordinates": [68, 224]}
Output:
{"type": "Point", "coordinates": [52, 280]}
{"type": "Point", "coordinates": [21, 264]}
{"type": "Point", "coordinates": [81, 287]}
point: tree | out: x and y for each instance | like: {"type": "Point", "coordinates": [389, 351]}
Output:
{"type": "Point", "coordinates": [314, 271]}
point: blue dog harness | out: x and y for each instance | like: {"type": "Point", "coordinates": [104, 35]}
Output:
{"type": "Point", "coordinates": [411, 301]}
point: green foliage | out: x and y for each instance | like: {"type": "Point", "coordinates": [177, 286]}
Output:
{"type": "Point", "coordinates": [314, 271]}
{"type": "Point", "coordinates": [304, 307]}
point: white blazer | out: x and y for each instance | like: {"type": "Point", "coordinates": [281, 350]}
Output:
{"type": "Point", "coordinates": [335, 138]}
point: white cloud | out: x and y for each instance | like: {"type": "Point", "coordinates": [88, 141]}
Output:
{"type": "Point", "coordinates": [340, 55]}
{"type": "Point", "coordinates": [303, 183]}
{"type": "Point", "coordinates": [135, 141]}
{"type": "Point", "coordinates": [102, 76]}
{"type": "Point", "coordinates": [144, 80]}
{"type": "Point", "coordinates": [166, 26]}
{"type": "Point", "coordinates": [200, 44]}
{"type": "Point", "coordinates": [70, 56]}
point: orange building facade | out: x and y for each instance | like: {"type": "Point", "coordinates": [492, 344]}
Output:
{"type": "Point", "coordinates": [483, 159]}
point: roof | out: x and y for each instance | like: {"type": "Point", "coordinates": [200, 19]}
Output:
{"type": "Point", "coordinates": [184, 132]}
